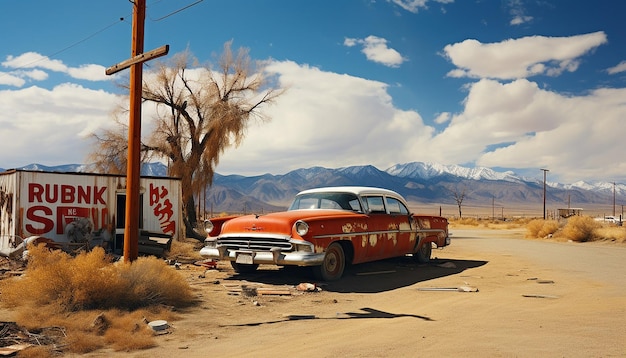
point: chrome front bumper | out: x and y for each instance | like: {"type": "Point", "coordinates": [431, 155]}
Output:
{"type": "Point", "coordinates": [275, 257]}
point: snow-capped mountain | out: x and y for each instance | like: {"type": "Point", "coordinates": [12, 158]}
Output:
{"type": "Point", "coordinates": [417, 181]}
{"type": "Point", "coordinates": [433, 170]}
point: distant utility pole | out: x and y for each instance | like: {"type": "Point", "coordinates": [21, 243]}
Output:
{"type": "Point", "coordinates": [613, 199]}
{"type": "Point", "coordinates": [133, 170]}
{"type": "Point", "coordinates": [544, 192]}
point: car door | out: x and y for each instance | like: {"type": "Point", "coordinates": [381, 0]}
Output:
{"type": "Point", "coordinates": [401, 223]}
{"type": "Point", "coordinates": [382, 228]}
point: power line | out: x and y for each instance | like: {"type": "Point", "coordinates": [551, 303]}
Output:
{"type": "Point", "coordinates": [87, 38]}
{"type": "Point", "coordinates": [177, 11]}
{"type": "Point", "coordinates": [70, 46]}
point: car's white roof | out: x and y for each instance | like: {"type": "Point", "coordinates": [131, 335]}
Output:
{"type": "Point", "coordinates": [358, 190]}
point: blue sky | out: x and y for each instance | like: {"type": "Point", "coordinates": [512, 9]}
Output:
{"type": "Point", "coordinates": [509, 84]}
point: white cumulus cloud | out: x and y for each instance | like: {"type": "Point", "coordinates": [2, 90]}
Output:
{"type": "Point", "coordinates": [521, 58]}
{"type": "Point", "coordinates": [376, 50]}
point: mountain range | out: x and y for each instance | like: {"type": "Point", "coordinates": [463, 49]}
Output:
{"type": "Point", "coordinates": [418, 182]}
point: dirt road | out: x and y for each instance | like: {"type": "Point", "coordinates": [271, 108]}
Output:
{"type": "Point", "coordinates": [534, 299]}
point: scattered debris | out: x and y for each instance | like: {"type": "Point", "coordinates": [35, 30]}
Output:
{"type": "Point", "coordinates": [270, 291]}
{"type": "Point", "coordinates": [539, 296]}
{"type": "Point", "coordinates": [308, 287]}
{"type": "Point", "coordinates": [208, 263]}
{"type": "Point", "coordinates": [456, 289]}
{"type": "Point", "coordinates": [14, 338]}
{"type": "Point", "coordinates": [248, 291]}
{"type": "Point", "coordinates": [159, 326]}
{"type": "Point", "coordinates": [538, 280]}
{"type": "Point", "coordinates": [545, 281]}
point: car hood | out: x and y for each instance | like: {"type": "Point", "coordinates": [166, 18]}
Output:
{"type": "Point", "coordinates": [281, 222]}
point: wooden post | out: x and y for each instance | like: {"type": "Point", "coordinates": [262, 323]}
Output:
{"type": "Point", "coordinates": [133, 171]}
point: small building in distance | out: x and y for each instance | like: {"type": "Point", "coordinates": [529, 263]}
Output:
{"type": "Point", "coordinates": [569, 212]}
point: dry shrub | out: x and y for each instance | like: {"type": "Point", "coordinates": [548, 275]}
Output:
{"type": "Point", "coordinates": [539, 228]}
{"type": "Point", "coordinates": [58, 290]}
{"type": "Point", "coordinates": [185, 251]}
{"type": "Point", "coordinates": [81, 342]}
{"type": "Point", "coordinates": [580, 229]}
{"type": "Point", "coordinates": [612, 233]}
{"type": "Point", "coordinates": [90, 280]}
{"type": "Point", "coordinates": [464, 221]}
{"type": "Point", "coordinates": [148, 282]}
{"type": "Point", "coordinates": [116, 336]}
{"type": "Point", "coordinates": [36, 352]}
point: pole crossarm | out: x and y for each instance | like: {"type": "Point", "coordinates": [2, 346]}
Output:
{"type": "Point", "coordinates": [158, 52]}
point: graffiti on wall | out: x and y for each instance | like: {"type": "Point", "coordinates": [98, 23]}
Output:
{"type": "Point", "coordinates": [162, 208]}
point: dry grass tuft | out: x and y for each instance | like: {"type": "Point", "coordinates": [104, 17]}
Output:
{"type": "Point", "coordinates": [580, 229]}
{"type": "Point", "coordinates": [465, 222]}
{"type": "Point", "coordinates": [91, 281]}
{"type": "Point", "coordinates": [541, 228]}
{"type": "Point", "coordinates": [488, 223]}
{"type": "Point", "coordinates": [185, 251]}
{"type": "Point", "coordinates": [81, 342]}
{"type": "Point", "coordinates": [36, 352]}
{"type": "Point", "coordinates": [96, 301]}
{"type": "Point", "coordinates": [612, 233]}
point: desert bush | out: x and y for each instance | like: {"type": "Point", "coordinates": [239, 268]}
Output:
{"type": "Point", "coordinates": [539, 228]}
{"type": "Point", "coordinates": [612, 233]}
{"type": "Point", "coordinates": [90, 280]}
{"type": "Point", "coordinates": [580, 229]}
{"type": "Point", "coordinates": [58, 290]}
{"type": "Point", "coordinates": [148, 282]}
{"type": "Point", "coordinates": [185, 251]}
{"type": "Point", "coordinates": [116, 336]}
{"type": "Point", "coordinates": [36, 352]}
{"type": "Point", "coordinates": [465, 221]}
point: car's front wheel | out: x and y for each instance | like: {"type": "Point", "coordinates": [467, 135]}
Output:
{"type": "Point", "coordinates": [423, 254]}
{"type": "Point", "coordinates": [244, 268]}
{"type": "Point", "coordinates": [334, 264]}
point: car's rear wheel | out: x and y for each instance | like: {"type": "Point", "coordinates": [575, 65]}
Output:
{"type": "Point", "coordinates": [423, 254]}
{"type": "Point", "coordinates": [244, 268]}
{"type": "Point", "coordinates": [334, 264]}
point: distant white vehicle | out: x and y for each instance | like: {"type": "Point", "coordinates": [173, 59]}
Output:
{"type": "Point", "coordinates": [610, 219]}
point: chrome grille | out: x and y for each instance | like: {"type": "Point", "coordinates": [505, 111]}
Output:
{"type": "Point", "coordinates": [254, 243]}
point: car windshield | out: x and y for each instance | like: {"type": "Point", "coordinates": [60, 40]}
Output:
{"type": "Point", "coordinates": [339, 201]}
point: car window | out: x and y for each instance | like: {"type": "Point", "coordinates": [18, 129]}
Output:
{"type": "Point", "coordinates": [396, 206]}
{"type": "Point", "coordinates": [355, 204]}
{"type": "Point", "coordinates": [340, 201]}
{"type": "Point", "coordinates": [375, 204]}
{"type": "Point", "coordinates": [329, 204]}
{"type": "Point", "coordinates": [304, 203]}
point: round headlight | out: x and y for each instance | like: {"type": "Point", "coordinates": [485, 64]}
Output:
{"type": "Point", "coordinates": [302, 228]}
{"type": "Point", "coordinates": [208, 226]}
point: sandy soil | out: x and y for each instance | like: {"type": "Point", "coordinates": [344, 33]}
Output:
{"type": "Point", "coordinates": [527, 305]}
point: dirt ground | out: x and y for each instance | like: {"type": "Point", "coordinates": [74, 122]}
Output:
{"type": "Point", "coordinates": [522, 304]}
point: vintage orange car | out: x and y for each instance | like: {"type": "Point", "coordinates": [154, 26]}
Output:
{"type": "Point", "coordinates": [327, 228]}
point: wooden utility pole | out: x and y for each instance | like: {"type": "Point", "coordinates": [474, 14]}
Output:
{"type": "Point", "coordinates": [133, 170]}
{"type": "Point", "coordinates": [544, 192]}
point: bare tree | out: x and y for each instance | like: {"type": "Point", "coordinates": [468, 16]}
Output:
{"type": "Point", "coordinates": [458, 197]}
{"type": "Point", "coordinates": [201, 111]}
